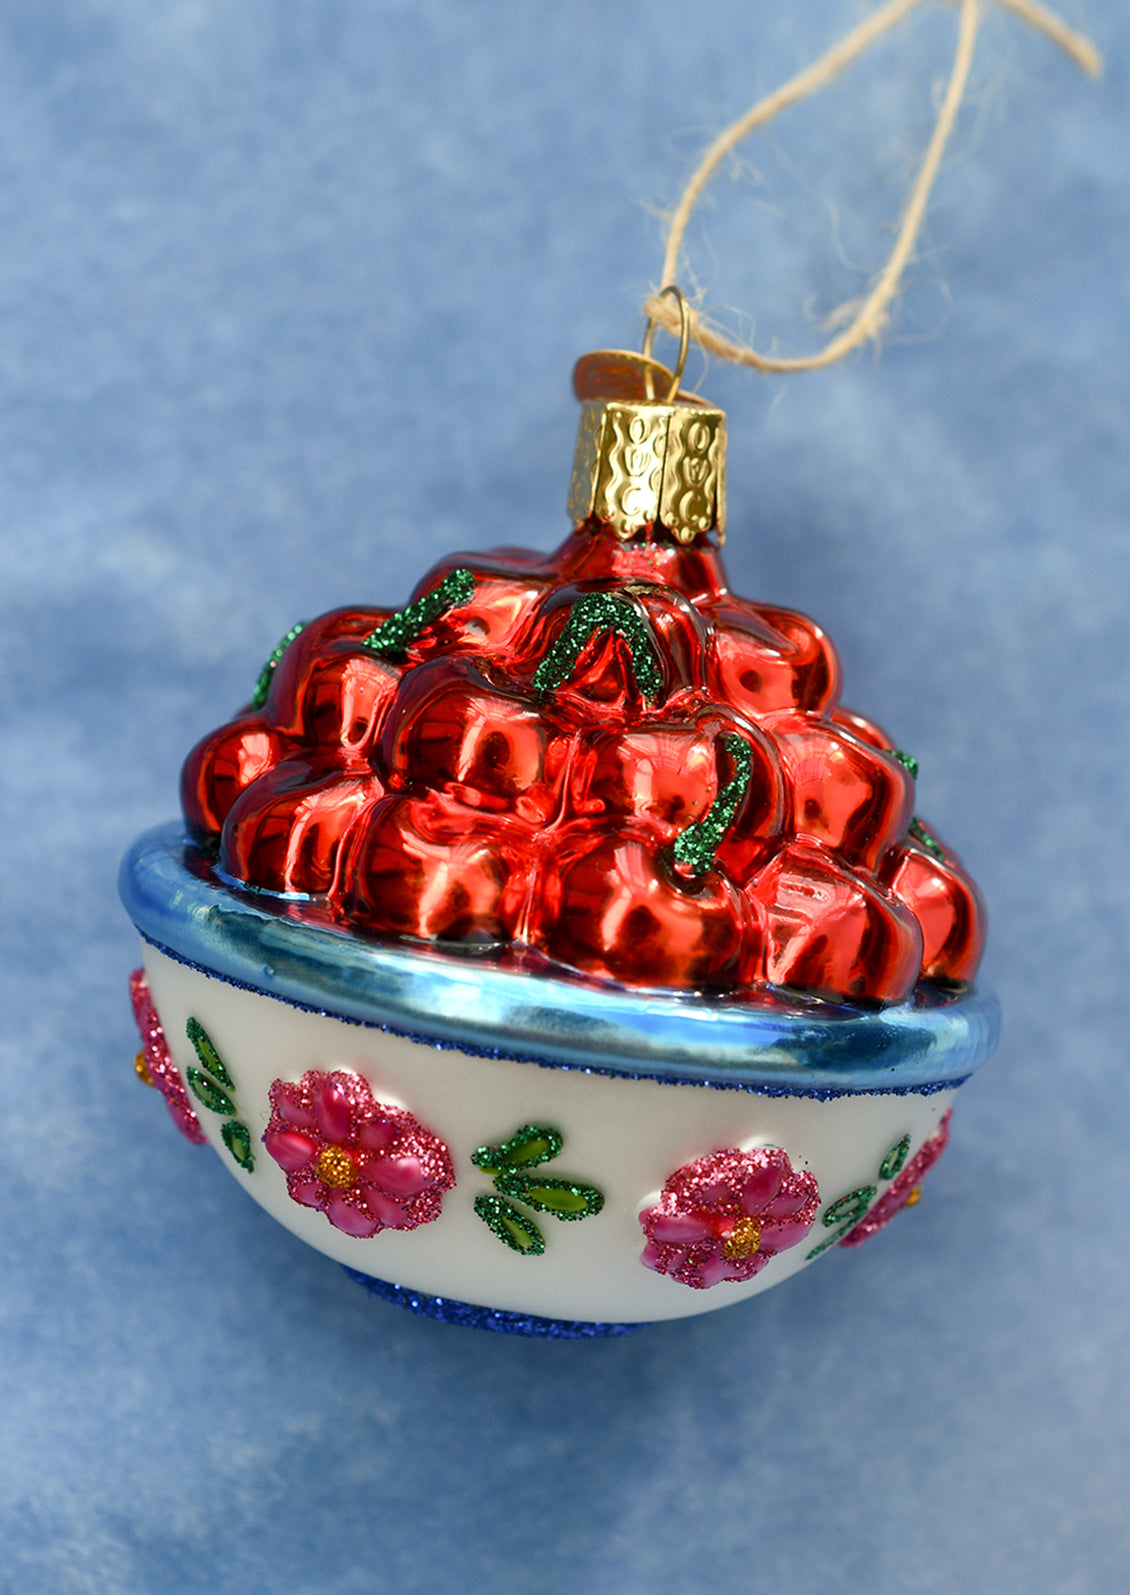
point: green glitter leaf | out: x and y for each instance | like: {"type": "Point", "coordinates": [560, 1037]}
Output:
{"type": "Point", "coordinates": [237, 1139]}
{"type": "Point", "coordinates": [894, 1160]}
{"type": "Point", "coordinates": [930, 843]}
{"type": "Point", "coordinates": [565, 1199]}
{"type": "Point", "coordinates": [206, 1051]}
{"type": "Point", "coordinates": [399, 631]}
{"type": "Point", "coordinates": [513, 1228]}
{"type": "Point", "coordinates": [526, 1148]}
{"type": "Point", "coordinates": [209, 1092]}
{"type": "Point", "coordinates": [907, 760]}
{"type": "Point", "coordinates": [695, 847]}
{"type": "Point", "coordinates": [263, 685]}
{"type": "Point", "coordinates": [593, 613]}
{"type": "Point", "coordinates": [850, 1209]}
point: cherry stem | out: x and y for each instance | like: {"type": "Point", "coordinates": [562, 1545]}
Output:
{"type": "Point", "coordinates": [695, 847]}
{"type": "Point", "coordinates": [597, 612]}
{"type": "Point", "coordinates": [263, 685]}
{"type": "Point", "coordinates": [399, 631]}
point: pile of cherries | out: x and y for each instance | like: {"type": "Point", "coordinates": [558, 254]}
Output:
{"type": "Point", "coordinates": [601, 760]}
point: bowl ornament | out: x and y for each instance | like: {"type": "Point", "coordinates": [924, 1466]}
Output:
{"type": "Point", "coordinates": [591, 812]}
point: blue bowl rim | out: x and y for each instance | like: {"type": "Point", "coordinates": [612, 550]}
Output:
{"type": "Point", "coordinates": [931, 1043]}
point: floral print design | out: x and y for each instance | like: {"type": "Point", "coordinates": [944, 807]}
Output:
{"type": "Point", "coordinates": [155, 1064]}
{"type": "Point", "coordinates": [904, 1191]}
{"type": "Point", "coordinates": [724, 1216]}
{"type": "Point", "coordinates": [368, 1166]}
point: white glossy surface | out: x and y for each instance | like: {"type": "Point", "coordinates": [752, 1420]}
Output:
{"type": "Point", "coordinates": [624, 1136]}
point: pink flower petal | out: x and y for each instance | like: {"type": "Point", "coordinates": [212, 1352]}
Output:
{"type": "Point", "coordinates": [290, 1150]}
{"type": "Point", "coordinates": [311, 1193]}
{"type": "Point", "coordinates": [711, 1271]}
{"type": "Point", "coordinates": [291, 1106]}
{"type": "Point", "coordinates": [377, 1134]}
{"type": "Point", "coordinates": [398, 1176]}
{"type": "Point", "coordinates": [388, 1211]}
{"type": "Point", "coordinates": [790, 1201]}
{"type": "Point", "coordinates": [779, 1237]}
{"type": "Point", "coordinates": [760, 1187]}
{"type": "Point", "coordinates": [679, 1229]}
{"type": "Point", "coordinates": [331, 1108]}
{"type": "Point", "coordinates": [352, 1220]}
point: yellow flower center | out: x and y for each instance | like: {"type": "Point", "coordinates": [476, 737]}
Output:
{"type": "Point", "coordinates": [335, 1167]}
{"type": "Point", "coordinates": [142, 1068]}
{"type": "Point", "coordinates": [742, 1241]}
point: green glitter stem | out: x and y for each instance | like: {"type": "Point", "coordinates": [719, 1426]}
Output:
{"type": "Point", "coordinates": [263, 685]}
{"type": "Point", "coordinates": [205, 1049]}
{"type": "Point", "coordinates": [565, 1199]}
{"type": "Point", "coordinates": [695, 847]}
{"type": "Point", "coordinates": [511, 1227]}
{"type": "Point", "coordinates": [237, 1139]}
{"type": "Point", "coordinates": [907, 760]}
{"type": "Point", "coordinates": [399, 631]}
{"type": "Point", "coordinates": [922, 836]}
{"type": "Point", "coordinates": [894, 1160]}
{"type": "Point", "coordinates": [207, 1091]}
{"type": "Point", "coordinates": [526, 1148]}
{"type": "Point", "coordinates": [597, 612]}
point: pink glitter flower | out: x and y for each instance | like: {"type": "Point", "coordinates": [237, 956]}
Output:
{"type": "Point", "coordinates": [154, 1061]}
{"type": "Point", "coordinates": [904, 1191]}
{"type": "Point", "coordinates": [726, 1215]}
{"type": "Point", "coordinates": [366, 1165]}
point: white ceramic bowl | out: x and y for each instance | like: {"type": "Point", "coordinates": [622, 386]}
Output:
{"type": "Point", "coordinates": [827, 1103]}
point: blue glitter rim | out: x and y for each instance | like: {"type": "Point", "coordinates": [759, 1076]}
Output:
{"type": "Point", "coordinates": [930, 1044]}
{"type": "Point", "coordinates": [493, 1319]}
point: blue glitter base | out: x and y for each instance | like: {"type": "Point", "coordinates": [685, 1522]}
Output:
{"type": "Point", "coordinates": [491, 1318]}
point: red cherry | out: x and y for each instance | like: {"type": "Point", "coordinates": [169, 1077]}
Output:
{"type": "Point", "coordinates": [669, 774]}
{"type": "Point", "coordinates": [603, 653]}
{"type": "Point", "coordinates": [846, 795]}
{"type": "Point", "coordinates": [452, 730]}
{"type": "Point", "coordinates": [612, 909]}
{"type": "Point", "coordinates": [314, 645]}
{"type": "Point", "coordinates": [508, 584]}
{"type": "Point", "coordinates": [866, 730]}
{"type": "Point", "coordinates": [428, 869]}
{"type": "Point", "coordinates": [832, 933]}
{"type": "Point", "coordinates": [345, 697]}
{"type": "Point", "coordinates": [222, 765]}
{"type": "Point", "coordinates": [766, 659]}
{"type": "Point", "coordinates": [290, 831]}
{"type": "Point", "coordinates": [947, 906]}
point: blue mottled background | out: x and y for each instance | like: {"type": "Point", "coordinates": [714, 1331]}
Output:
{"type": "Point", "coordinates": [290, 291]}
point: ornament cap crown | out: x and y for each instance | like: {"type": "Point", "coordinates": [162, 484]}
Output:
{"type": "Point", "coordinates": [644, 464]}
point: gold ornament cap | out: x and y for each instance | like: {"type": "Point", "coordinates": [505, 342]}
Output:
{"type": "Point", "coordinates": [644, 464]}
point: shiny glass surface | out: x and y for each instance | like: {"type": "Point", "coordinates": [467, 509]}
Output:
{"type": "Point", "coordinates": [486, 1007]}
{"type": "Point", "coordinates": [515, 771]}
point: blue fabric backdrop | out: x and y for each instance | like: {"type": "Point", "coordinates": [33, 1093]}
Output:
{"type": "Point", "coordinates": [290, 291]}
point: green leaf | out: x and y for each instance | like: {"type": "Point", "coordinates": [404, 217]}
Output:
{"type": "Point", "coordinates": [907, 760]}
{"type": "Point", "coordinates": [513, 1228]}
{"type": "Point", "coordinates": [206, 1051]}
{"type": "Point", "coordinates": [565, 1199]}
{"type": "Point", "coordinates": [526, 1148]}
{"type": "Point", "coordinates": [209, 1092]}
{"type": "Point", "coordinates": [850, 1209]}
{"type": "Point", "coordinates": [237, 1139]}
{"type": "Point", "coordinates": [894, 1160]}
